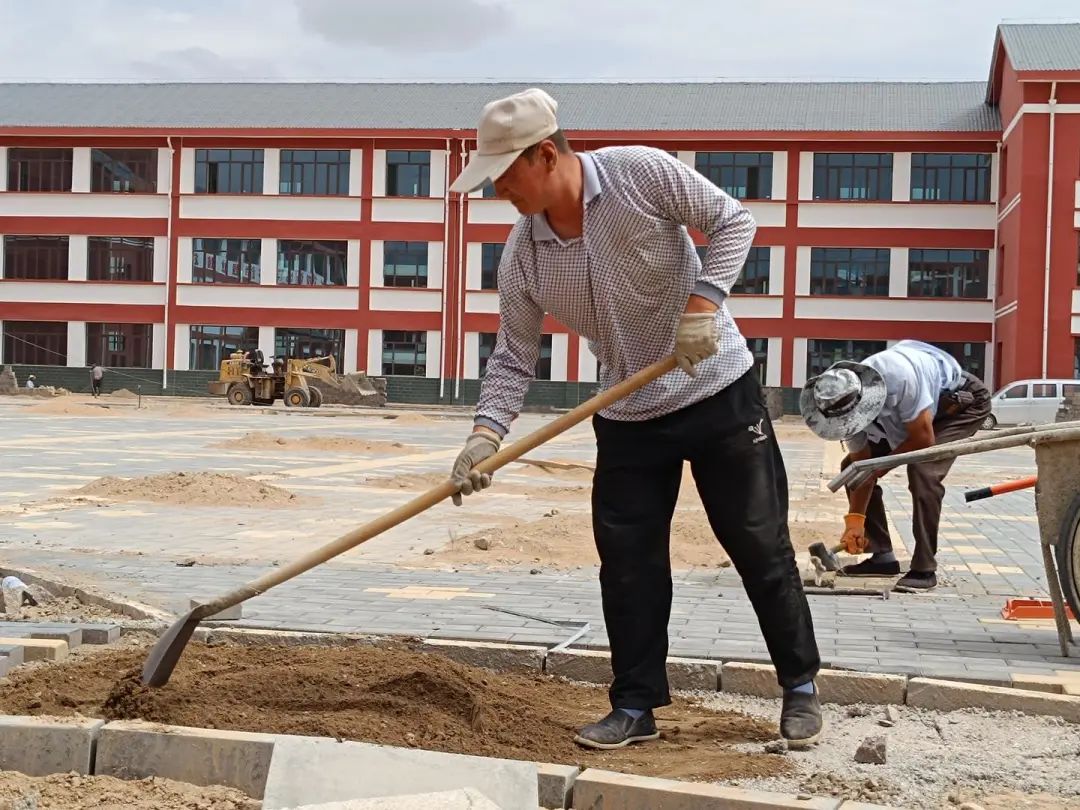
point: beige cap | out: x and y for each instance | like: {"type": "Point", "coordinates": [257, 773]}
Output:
{"type": "Point", "coordinates": [507, 128]}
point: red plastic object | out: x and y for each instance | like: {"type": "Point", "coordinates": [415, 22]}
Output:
{"type": "Point", "coordinates": [1031, 609]}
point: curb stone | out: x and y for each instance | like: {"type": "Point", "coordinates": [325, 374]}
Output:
{"type": "Point", "coordinates": [927, 693]}
{"type": "Point", "coordinates": [39, 746]}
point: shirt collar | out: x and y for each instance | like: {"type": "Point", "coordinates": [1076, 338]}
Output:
{"type": "Point", "coordinates": [590, 182]}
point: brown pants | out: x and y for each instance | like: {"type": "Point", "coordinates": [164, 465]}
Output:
{"type": "Point", "coordinates": [926, 481]}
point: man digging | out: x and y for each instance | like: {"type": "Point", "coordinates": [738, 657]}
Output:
{"type": "Point", "coordinates": [602, 245]}
{"type": "Point", "coordinates": [908, 397]}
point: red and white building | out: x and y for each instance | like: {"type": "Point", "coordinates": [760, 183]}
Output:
{"type": "Point", "coordinates": [159, 226]}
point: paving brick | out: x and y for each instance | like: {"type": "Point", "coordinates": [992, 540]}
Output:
{"type": "Point", "coordinates": [623, 791]}
{"type": "Point", "coordinates": [925, 693]}
{"type": "Point", "coordinates": [100, 633]}
{"type": "Point", "coordinates": [39, 746]}
{"type": "Point", "coordinates": [1038, 683]}
{"type": "Point", "coordinates": [39, 649]}
{"type": "Point", "coordinates": [13, 653]}
{"type": "Point", "coordinates": [499, 657]}
{"type": "Point", "coordinates": [556, 784]}
{"type": "Point", "coordinates": [132, 749]}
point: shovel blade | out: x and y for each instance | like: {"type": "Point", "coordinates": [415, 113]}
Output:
{"type": "Point", "coordinates": [166, 653]}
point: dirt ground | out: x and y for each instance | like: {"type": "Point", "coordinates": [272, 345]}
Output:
{"type": "Point", "coordinates": [392, 696]}
{"type": "Point", "coordinates": [563, 538]}
{"type": "Point", "coordinates": [59, 609]}
{"type": "Point", "coordinates": [74, 792]}
{"type": "Point", "coordinates": [332, 444]}
{"type": "Point", "coordinates": [193, 489]}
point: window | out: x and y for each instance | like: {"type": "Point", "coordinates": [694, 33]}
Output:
{"type": "Point", "coordinates": [39, 169]}
{"type": "Point", "coordinates": [743, 175]}
{"type": "Point", "coordinates": [123, 170]}
{"type": "Point", "coordinates": [312, 264]}
{"type": "Point", "coordinates": [405, 264]}
{"type": "Point", "coordinates": [759, 347]}
{"type": "Point", "coordinates": [847, 176]}
{"type": "Point", "coordinates": [228, 171]}
{"type": "Point", "coordinates": [543, 362]}
{"type": "Point", "coordinates": [1016, 392]}
{"type": "Point", "coordinates": [36, 257]}
{"type": "Point", "coordinates": [948, 273]}
{"type": "Point", "coordinates": [119, 345]}
{"type": "Point", "coordinates": [1044, 390]}
{"type": "Point", "coordinates": [486, 347]}
{"type": "Point", "coordinates": [119, 258]}
{"type": "Point", "coordinates": [489, 191]}
{"type": "Point", "coordinates": [212, 344]}
{"type": "Point", "coordinates": [35, 343]}
{"type": "Point", "coordinates": [1069, 389]}
{"type": "Point", "coordinates": [305, 343]}
{"type": "Point", "coordinates": [408, 174]}
{"type": "Point", "coordinates": [849, 271]}
{"type": "Point", "coordinates": [315, 171]}
{"type": "Point", "coordinates": [820, 354]}
{"type": "Point", "coordinates": [950, 178]}
{"type": "Point", "coordinates": [490, 256]}
{"type": "Point", "coordinates": [970, 356]}
{"type": "Point", "coordinates": [754, 276]}
{"type": "Point", "coordinates": [404, 353]}
{"type": "Point", "coordinates": [225, 261]}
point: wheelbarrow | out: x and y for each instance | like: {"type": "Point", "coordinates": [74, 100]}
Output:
{"type": "Point", "coordinates": [1057, 500]}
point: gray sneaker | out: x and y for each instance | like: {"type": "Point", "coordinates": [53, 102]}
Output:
{"type": "Point", "coordinates": [617, 730]}
{"type": "Point", "coordinates": [800, 719]}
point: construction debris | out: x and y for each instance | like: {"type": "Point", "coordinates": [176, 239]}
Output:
{"type": "Point", "coordinates": [871, 751]}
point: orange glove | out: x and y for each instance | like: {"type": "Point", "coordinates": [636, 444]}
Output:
{"type": "Point", "coordinates": [854, 539]}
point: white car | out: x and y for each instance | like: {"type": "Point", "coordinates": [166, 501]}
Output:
{"type": "Point", "coordinates": [1029, 402]}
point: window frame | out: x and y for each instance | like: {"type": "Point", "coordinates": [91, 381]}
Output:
{"type": "Point", "coordinates": [974, 363]}
{"type": "Point", "coordinates": [247, 340]}
{"type": "Point", "coordinates": [725, 171]}
{"type": "Point", "coordinates": [394, 181]}
{"type": "Point", "coordinates": [136, 341]}
{"type": "Point", "coordinates": [979, 175]}
{"type": "Point", "coordinates": [52, 253]}
{"type": "Point", "coordinates": [978, 267]}
{"type": "Point", "coordinates": [27, 343]}
{"type": "Point", "coordinates": [102, 253]}
{"type": "Point", "coordinates": [40, 170]}
{"type": "Point", "coordinates": [826, 260]}
{"type": "Point", "coordinates": [419, 344]}
{"type": "Point", "coordinates": [290, 340]}
{"type": "Point", "coordinates": [133, 159]}
{"type": "Point", "coordinates": [491, 254]}
{"type": "Point", "coordinates": [831, 168]}
{"type": "Point", "coordinates": [251, 171]}
{"type": "Point", "coordinates": [236, 252]}
{"type": "Point", "coordinates": [290, 255]}
{"type": "Point", "coordinates": [759, 349]}
{"type": "Point", "coordinates": [336, 179]}
{"type": "Point", "coordinates": [847, 351]}
{"type": "Point", "coordinates": [418, 280]}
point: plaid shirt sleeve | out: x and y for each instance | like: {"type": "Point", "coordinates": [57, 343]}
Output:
{"type": "Point", "coordinates": [678, 193]}
{"type": "Point", "coordinates": [512, 364]}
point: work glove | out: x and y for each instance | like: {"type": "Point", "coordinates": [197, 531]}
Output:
{"type": "Point", "coordinates": [697, 338]}
{"type": "Point", "coordinates": [854, 540]}
{"type": "Point", "coordinates": [480, 445]}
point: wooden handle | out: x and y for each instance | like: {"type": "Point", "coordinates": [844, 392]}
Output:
{"type": "Point", "coordinates": [438, 494]}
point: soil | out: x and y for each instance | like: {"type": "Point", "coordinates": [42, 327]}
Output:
{"type": "Point", "coordinates": [425, 481]}
{"type": "Point", "coordinates": [69, 791]}
{"type": "Point", "coordinates": [392, 696]}
{"type": "Point", "coordinates": [193, 489]}
{"type": "Point", "coordinates": [123, 393]}
{"type": "Point", "coordinates": [334, 444]}
{"type": "Point", "coordinates": [408, 418]}
{"type": "Point", "coordinates": [61, 608]}
{"type": "Point", "coordinates": [66, 407]}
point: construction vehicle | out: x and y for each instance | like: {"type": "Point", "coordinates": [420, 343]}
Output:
{"type": "Point", "coordinates": [244, 380]}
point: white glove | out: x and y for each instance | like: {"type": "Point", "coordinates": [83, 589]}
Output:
{"type": "Point", "coordinates": [696, 339]}
{"type": "Point", "coordinates": [480, 445]}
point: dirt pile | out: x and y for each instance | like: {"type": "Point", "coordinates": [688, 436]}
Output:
{"type": "Point", "coordinates": [392, 696]}
{"type": "Point", "coordinates": [52, 608]}
{"type": "Point", "coordinates": [334, 444]}
{"type": "Point", "coordinates": [69, 791]}
{"type": "Point", "coordinates": [123, 393]}
{"type": "Point", "coordinates": [425, 481]}
{"type": "Point", "coordinates": [193, 489]}
{"type": "Point", "coordinates": [62, 406]}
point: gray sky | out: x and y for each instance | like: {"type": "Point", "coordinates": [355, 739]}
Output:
{"type": "Point", "coordinates": [146, 40]}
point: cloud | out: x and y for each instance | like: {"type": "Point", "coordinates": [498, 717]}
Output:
{"type": "Point", "coordinates": [415, 26]}
{"type": "Point", "coordinates": [200, 63]}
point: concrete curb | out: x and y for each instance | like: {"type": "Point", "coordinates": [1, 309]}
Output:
{"type": "Point", "coordinates": [134, 610]}
{"type": "Point", "coordinates": [132, 749]}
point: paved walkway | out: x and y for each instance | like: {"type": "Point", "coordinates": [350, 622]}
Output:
{"type": "Point", "coordinates": [989, 549]}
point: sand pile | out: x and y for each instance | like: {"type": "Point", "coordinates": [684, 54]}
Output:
{"type": "Point", "coordinates": [409, 418]}
{"type": "Point", "coordinates": [391, 696]}
{"type": "Point", "coordinates": [61, 406]}
{"type": "Point", "coordinates": [123, 393]}
{"type": "Point", "coordinates": [193, 489]}
{"type": "Point", "coordinates": [69, 791]}
{"type": "Point", "coordinates": [332, 444]}
{"type": "Point", "coordinates": [421, 482]}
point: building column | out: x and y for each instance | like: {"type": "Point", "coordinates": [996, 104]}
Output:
{"type": "Point", "coordinates": [266, 342]}
{"type": "Point", "coordinates": [80, 168]}
{"type": "Point", "coordinates": [76, 344]}
{"type": "Point", "coordinates": [78, 256]}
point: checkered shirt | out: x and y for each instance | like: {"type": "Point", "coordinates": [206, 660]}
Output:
{"type": "Point", "coordinates": [623, 285]}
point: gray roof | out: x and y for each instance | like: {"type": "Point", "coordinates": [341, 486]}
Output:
{"type": "Point", "coordinates": [1043, 47]}
{"type": "Point", "coordinates": [704, 106]}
